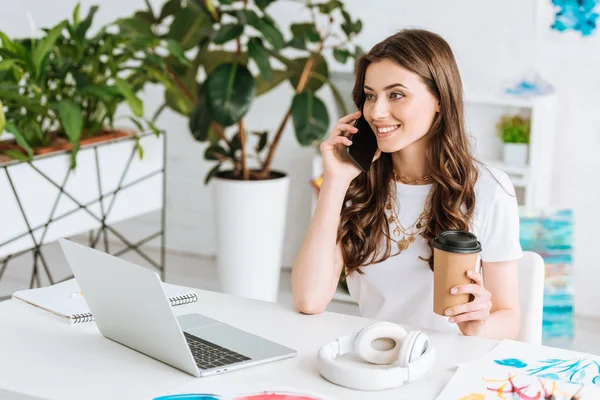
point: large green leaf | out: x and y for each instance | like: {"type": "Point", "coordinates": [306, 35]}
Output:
{"type": "Point", "coordinates": [2, 118]}
{"type": "Point", "coordinates": [230, 89]}
{"type": "Point", "coordinates": [10, 127]}
{"type": "Point", "coordinates": [263, 86]}
{"type": "Point", "coordinates": [45, 45]}
{"type": "Point", "coordinates": [257, 51]}
{"type": "Point", "coordinates": [310, 116]}
{"type": "Point", "coordinates": [270, 32]}
{"type": "Point", "coordinates": [178, 103]}
{"type": "Point", "coordinates": [131, 98]}
{"type": "Point", "coordinates": [305, 31]}
{"type": "Point", "coordinates": [71, 119]}
{"type": "Point", "coordinates": [200, 118]}
{"type": "Point", "coordinates": [7, 64]}
{"type": "Point", "coordinates": [189, 26]}
{"type": "Point", "coordinates": [228, 32]}
{"type": "Point", "coordinates": [135, 27]}
{"type": "Point", "coordinates": [315, 81]}
{"type": "Point", "coordinates": [212, 59]}
{"type": "Point", "coordinates": [327, 8]}
{"type": "Point", "coordinates": [213, 152]}
{"type": "Point", "coordinates": [169, 8]}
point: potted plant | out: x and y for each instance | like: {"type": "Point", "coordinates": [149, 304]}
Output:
{"type": "Point", "coordinates": [237, 53]}
{"type": "Point", "coordinates": [514, 132]}
{"type": "Point", "coordinates": [60, 94]}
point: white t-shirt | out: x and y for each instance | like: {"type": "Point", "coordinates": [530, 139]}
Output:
{"type": "Point", "coordinates": [400, 289]}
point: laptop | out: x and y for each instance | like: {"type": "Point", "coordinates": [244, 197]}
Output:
{"type": "Point", "coordinates": [130, 307]}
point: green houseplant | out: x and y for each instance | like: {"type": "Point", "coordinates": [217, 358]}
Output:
{"type": "Point", "coordinates": [63, 89]}
{"type": "Point", "coordinates": [237, 52]}
{"type": "Point", "coordinates": [228, 39]}
{"type": "Point", "coordinates": [514, 132]}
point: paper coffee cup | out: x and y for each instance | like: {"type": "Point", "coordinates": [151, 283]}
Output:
{"type": "Point", "coordinates": [454, 253]}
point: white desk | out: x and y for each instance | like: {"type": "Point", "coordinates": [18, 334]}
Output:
{"type": "Point", "coordinates": [44, 357]}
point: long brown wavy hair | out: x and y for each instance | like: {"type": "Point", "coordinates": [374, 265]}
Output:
{"type": "Point", "coordinates": [451, 202]}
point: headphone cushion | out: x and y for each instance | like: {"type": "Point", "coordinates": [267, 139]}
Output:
{"type": "Point", "coordinates": [414, 346]}
{"type": "Point", "coordinates": [385, 330]}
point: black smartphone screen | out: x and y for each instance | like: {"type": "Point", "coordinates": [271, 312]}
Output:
{"type": "Point", "coordinates": [364, 145]}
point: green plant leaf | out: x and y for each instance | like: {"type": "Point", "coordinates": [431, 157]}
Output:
{"type": "Point", "coordinates": [341, 55]}
{"type": "Point", "coordinates": [10, 127]}
{"type": "Point", "coordinates": [177, 102]}
{"type": "Point", "coordinates": [7, 43]}
{"type": "Point", "coordinates": [189, 26]}
{"type": "Point", "coordinates": [71, 119]}
{"type": "Point", "coordinates": [262, 140]}
{"type": "Point", "coordinates": [139, 148]}
{"type": "Point", "coordinates": [76, 14]}
{"type": "Point", "coordinates": [263, 86]}
{"type": "Point", "coordinates": [83, 27]}
{"type": "Point", "coordinates": [135, 27]}
{"type": "Point", "coordinates": [45, 45]}
{"type": "Point", "coordinates": [199, 123]}
{"type": "Point", "coordinates": [262, 4]}
{"type": "Point", "coordinates": [270, 32]}
{"type": "Point", "coordinates": [153, 127]}
{"type": "Point", "coordinates": [106, 92]}
{"type": "Point", "coordinates": [320, 68]}
{"type": "Point", "coordinates": [230, 89]}
{"type": "Point", "coordinates": [150, 10]}
{"type": "Point", "coordinates": [327, 8]}
{"type": "Point", "coordinates": [307, 31]}
{"type": "Point", "coordinates": [131, 98]}
{"type": "Point", "coordinates": [169, 8]}
{"type": "Point", "coordinates": [310, 117]}
{"type": "Point", "coordinates": [2, 118]}
{"type": "Point", "coordinates": [257, 51]}
{"type": "Point", "coordinates": [212, 173]}
{"type": "Point", "coordinates": [212, 152]}
{"type": "Point", "coordinates": [228, 32]}
{"type": "Point", "coordinates": [177, 51]}
{"type": "Point", "coordinates": [137, 123]}
{"type": "Point", "coordinates": [7, 64]}
{"type": "Point", "coordinates": [145, 16]}
{"type": "Point", "coordinates": [212, 59]}
{"type": "Point", "coordinates": [16, 155]}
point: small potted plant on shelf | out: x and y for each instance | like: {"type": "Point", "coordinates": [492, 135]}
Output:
{"type": "Point", "coordinates": [514, 132]}
{"type": "Point", "coordinates": [237, 53]}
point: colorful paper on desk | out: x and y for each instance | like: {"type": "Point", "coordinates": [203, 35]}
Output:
{"type": "Point", "coordinates": [66, 301]}
{"type": "Point", "coordinates": [238, 388]}
{"type": "Point", "coordinates": [537, 368]}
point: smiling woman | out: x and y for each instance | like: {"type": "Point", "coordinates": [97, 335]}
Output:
{"type": "Point", "coordinates": [377, 228]}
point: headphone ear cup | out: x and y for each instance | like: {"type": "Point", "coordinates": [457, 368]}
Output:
{"type": "Point", "coordinates": [414, 346]}
{"type": "Point", "coordinates": [385, 330]}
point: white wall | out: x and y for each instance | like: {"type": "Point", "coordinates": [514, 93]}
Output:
{"type": "Point", "coordinates": [493, 40]}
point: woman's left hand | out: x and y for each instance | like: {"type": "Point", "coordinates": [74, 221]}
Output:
{"type": "Point", "coordinates": [472, 316]}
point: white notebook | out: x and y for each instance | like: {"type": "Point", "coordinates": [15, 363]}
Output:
{"type": "Point", "coordinates": [65, 299]}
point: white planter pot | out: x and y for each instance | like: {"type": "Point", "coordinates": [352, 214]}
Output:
{"type": "Point", "coordinates": [250, 225]}
{"type": "Point", "coordinates": [515, 154]}
{"type": "Point", "coordinates": [37, 195]}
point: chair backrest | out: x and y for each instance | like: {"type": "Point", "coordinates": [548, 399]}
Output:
{"type": "Point", "coordinates": [532, 273]}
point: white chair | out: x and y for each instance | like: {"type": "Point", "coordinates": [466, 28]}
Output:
{"type": "Point", "coordinates": [532, 273]}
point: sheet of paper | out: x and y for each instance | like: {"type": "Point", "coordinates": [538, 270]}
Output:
{"type": "Point", "coordinates": [537, 370]}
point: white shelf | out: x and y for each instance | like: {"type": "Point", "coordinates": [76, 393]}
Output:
{"type": "Point", "coordinates": [509, 169]}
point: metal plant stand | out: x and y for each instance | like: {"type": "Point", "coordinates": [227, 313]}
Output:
{"type": "Point", "coordinates": [41, 266]}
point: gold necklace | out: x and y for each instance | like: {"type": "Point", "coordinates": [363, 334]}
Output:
{"type": "Point", "coordinates": [409, 181]}
{"type": "Point", "coordinates": [408, 234]}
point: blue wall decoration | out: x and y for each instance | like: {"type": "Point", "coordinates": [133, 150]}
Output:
{"type": "Point", "coordinates": [550, 234]}
{"type": "Point", "coordinates": [576, 15]}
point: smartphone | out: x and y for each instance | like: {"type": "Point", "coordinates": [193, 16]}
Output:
{"type": "Point", "coordinates": [364, 145]}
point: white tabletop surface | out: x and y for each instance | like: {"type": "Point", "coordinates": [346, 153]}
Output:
{"type": "Point", "coordinates": [44, 357]}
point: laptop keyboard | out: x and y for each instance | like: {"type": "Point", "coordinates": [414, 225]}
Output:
{"type": "Point", "coordinates": [209, 355]}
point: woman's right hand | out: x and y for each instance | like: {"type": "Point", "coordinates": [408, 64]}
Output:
{"type": "Point", "coordinates": [337, 165]}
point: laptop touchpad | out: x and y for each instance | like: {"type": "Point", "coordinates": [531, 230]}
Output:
{"type": "Point", "coordinates": [191, 321]}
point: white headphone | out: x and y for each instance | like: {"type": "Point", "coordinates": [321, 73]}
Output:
{"type": "Point", "coordinates": [410, 358]}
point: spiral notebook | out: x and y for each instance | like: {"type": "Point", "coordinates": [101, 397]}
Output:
{"type": "Point", "coordinates": [66, 301]}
